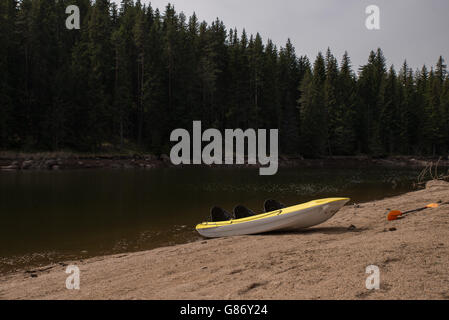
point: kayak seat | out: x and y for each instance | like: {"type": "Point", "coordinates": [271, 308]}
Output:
{"type": "Point", "coordinates": [219, 214]}
{"type": "Point", "coordinates": [272, 205]}
{"type": "Point", "coordinates": [242, 212]}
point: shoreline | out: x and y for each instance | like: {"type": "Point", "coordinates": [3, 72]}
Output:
{"type": "Point", "coordinates": [12, 161]}
{"type": "Point", "coordinates": [324, 262]}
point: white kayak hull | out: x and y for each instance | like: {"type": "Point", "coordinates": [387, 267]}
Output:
{"type": "Point", "coordinates": [296, 217]}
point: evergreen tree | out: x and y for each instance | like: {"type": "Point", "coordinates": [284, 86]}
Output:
{"type": "Point", "coordinates": [408, 111]}
{"type": "Point", "coordinates": [434, 119]}
{"type": "Point", "coordinates": [421, 84]}
{"type": "Point", "coordinates": [331, 112]}
{"type": "Point", "coordinates": [269, 88]}
{"type": "Point", "coordinates": [314, 128]}
{"type": "Point", "coordinates": [99, 49]}
{"type": "Point", "coordinates": [344, 135]}
{"type": "Point", "coordinates": [155, 96]}
{"type": "Point", "coordinates": [8, 12]}
{"type": "Point", "coordinates": [445, 111]}
{"type": "Point", "coordinates": [390, 114]}
{"type": "Point", "coordinates": [371, 84]}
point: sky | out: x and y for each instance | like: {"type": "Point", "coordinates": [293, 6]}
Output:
{"type": "Point", "coordinates": [416, 30]}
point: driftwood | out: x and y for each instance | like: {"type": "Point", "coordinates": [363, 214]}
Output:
{"type": "Point", "coordinates": [430, 172]}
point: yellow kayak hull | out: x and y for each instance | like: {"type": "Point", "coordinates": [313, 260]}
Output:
{"type": "Point", "coordinates": [300, 216]}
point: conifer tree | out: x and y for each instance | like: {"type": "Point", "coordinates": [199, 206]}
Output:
{"type": "Point", "coordinates": [314, 129]}
{"type": "Point", "coordinates": [289, 77]}
{"type": "Point", "coordinates": [269, 91]}
{"type": "Point", "coordinates": [8, 14]}
{"type": "Point", "coordinates": [331, 112]}
{"type": "Point", "coordinates": [343, 123]}
{"type": "Point", "coordinates": [390, 114]}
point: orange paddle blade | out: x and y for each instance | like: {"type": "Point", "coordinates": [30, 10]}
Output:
{"type": "Point", "coordinates": [393, 215]}
{"type": "Point", "coordinates": [432, 205]}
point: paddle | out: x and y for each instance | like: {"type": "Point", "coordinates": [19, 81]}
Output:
{"type": "Point", "coordinates": [394, 214]}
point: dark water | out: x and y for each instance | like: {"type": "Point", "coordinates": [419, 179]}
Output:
{"type": "Point", "coordinates": [53, 216]}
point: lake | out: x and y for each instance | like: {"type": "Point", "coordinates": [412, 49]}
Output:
{"type": "Point", "coordinates": [51, 216]}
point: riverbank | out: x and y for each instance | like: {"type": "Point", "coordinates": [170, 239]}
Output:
{"type": "Point", "coordinates": [13, 161]}
{"type": "Point", "coordinates": [325, 262]}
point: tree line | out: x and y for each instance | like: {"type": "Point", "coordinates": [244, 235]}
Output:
{"type": "Point", "coordinates": [132, 74]}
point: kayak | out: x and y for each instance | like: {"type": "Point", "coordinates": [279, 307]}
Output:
{"type": "Point", "coordinates": [300, 216]}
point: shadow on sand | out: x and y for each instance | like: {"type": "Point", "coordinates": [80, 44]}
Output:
{"type": "Point", "coordinates": [322, 230]}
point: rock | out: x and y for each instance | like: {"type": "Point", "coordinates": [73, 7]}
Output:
{"type": "Point", "coordinates": [392, 229]}
{"type": "Point", "coordinates": [33, 275]}
{"type": "Point", "coordinates": [437, 185]}
{"type": "Point", "coordinates": [150, 157]}
{"type": "Point", "coordinates": [352, 227]}
{"type": "Point", "coordinates": [165, 158]}
{"type": "Point", "coordinates": [27, 164]}
{"type": "Point", "coordinates": [10, 168]}
{"type": "Point", "coordinates": [50, 163]}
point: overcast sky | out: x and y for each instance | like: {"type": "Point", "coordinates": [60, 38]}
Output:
{"type": "Point", "coordinates": [413, 29]}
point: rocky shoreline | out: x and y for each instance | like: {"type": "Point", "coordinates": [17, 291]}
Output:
{"type": "Point", "coordinates": [55, 161]}
{"type": "Point", "coordinates": [84, 162]}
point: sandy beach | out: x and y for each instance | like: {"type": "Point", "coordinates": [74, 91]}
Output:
{"type": "Point", "coordinates": [325, 262]}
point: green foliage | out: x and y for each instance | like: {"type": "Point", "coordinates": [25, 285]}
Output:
{"type": "Point", "coordinates": [133, 74]}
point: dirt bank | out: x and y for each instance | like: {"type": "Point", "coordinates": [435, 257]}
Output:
{"type": "Point", "coordinates": [326, 262]}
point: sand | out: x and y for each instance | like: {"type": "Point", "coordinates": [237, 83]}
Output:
{"type": "Point", "coordinates": [325, 262]}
